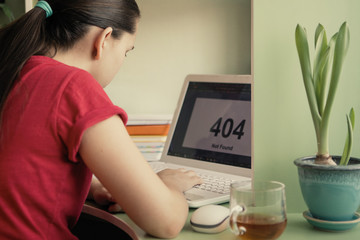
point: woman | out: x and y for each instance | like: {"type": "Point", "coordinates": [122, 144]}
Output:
{"type": "Point", "coordinates": [58, 127]}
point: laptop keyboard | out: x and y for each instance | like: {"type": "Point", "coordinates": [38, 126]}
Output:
{"type": "Point", "coordinates": [212, 182]}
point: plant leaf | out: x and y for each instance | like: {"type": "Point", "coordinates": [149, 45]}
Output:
{"type": "Point", "coordinates": [320, 28]}
{"type": "Point", "coordinates": [7, 12]}
{"type": "Point", "coordinates": [324, 74]}
{"type": "Point", "coordinates": [304, 57]}
{"type": "Point", "coordinates": [340, 50]}
{"type": "Point", "coordinates": [320, 45]}
{"type": "Point", "coordinates": [349, 139]}
{"type": "Point", "coordinates": [320, 79]}
{"type": "Point", "coordinates": [341, 47]}
{"type": "Point", "coordinates": [320, 60]}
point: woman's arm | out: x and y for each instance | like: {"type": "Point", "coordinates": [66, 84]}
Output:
{"type": "Point", "coordinates": [155, 202]}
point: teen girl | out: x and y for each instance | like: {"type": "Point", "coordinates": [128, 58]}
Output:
{"type": "Point", "coordinates": [58, 127]}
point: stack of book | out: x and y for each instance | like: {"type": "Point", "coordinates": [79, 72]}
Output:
{"type": "Point", "coordinates": [149, 134]}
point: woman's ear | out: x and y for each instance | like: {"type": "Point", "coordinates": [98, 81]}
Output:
{"type": "Point", "coordinates": [100, 42]}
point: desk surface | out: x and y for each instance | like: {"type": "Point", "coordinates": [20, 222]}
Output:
{"type": "Point", "coordinates": [297, 228]}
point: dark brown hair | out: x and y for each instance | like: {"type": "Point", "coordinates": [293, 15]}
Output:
{"type": "Point", "coordinates": [34, 34]}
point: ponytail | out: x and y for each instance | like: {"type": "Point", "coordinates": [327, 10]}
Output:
{"type": "Point", "coordinates": [19, 41]}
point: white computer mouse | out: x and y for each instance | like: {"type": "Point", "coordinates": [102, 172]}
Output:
{"type": "Point", "coordinates": [210, 219]}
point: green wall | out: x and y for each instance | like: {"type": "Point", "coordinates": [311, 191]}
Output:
{"type": "Point", "coordinates": [283, 125]}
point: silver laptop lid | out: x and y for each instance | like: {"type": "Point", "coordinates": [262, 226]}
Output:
{"type": "Point", "coordinates": [212, 127]}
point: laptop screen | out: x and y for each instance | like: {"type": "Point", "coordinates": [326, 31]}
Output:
{"type": "Point", "coordinates": [214, 124]}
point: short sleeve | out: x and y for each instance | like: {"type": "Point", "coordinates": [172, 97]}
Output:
{"type": "Point", "coordinates": [83, 104]}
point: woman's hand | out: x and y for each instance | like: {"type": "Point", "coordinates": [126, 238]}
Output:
{"type": "Point", "coordinates": [179, 179]}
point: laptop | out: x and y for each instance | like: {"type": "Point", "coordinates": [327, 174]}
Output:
{"type": "Point", "coordinates": [212, 134]}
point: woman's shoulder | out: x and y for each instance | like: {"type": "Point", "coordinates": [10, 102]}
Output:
{"type": "Point", "coordinates": [49, 70]}
{"type": "Point", "coordinates": [44, 63]}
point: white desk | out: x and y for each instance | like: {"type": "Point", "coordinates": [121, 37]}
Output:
{"type": "Point", "coordinates": [297, 228]}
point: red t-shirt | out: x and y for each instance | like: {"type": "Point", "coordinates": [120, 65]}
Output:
{"type": "Point", "coordinates": [43, 181]}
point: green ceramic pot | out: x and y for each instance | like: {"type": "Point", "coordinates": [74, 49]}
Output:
{"type": "Point", "coordinates": [330, 192]}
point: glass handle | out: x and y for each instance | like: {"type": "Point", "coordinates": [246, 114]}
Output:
{"type": "Point", "coordinates": [238, 230]}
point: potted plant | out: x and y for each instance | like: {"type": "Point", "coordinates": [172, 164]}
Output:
{"type": "Point", "coordinates": [6, 10]}
{"type": "Point", "coordinates": [330, 185]}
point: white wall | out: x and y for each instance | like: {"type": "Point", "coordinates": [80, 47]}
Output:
{"type": "Point", "coordinates": [176, 38]}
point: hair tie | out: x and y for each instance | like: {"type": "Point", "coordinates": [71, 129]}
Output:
{"type": "Point", "coordinates": [46, 7]}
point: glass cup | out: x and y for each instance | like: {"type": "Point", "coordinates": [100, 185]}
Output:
{"type": "Point", "coordinates": [257, 209]}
